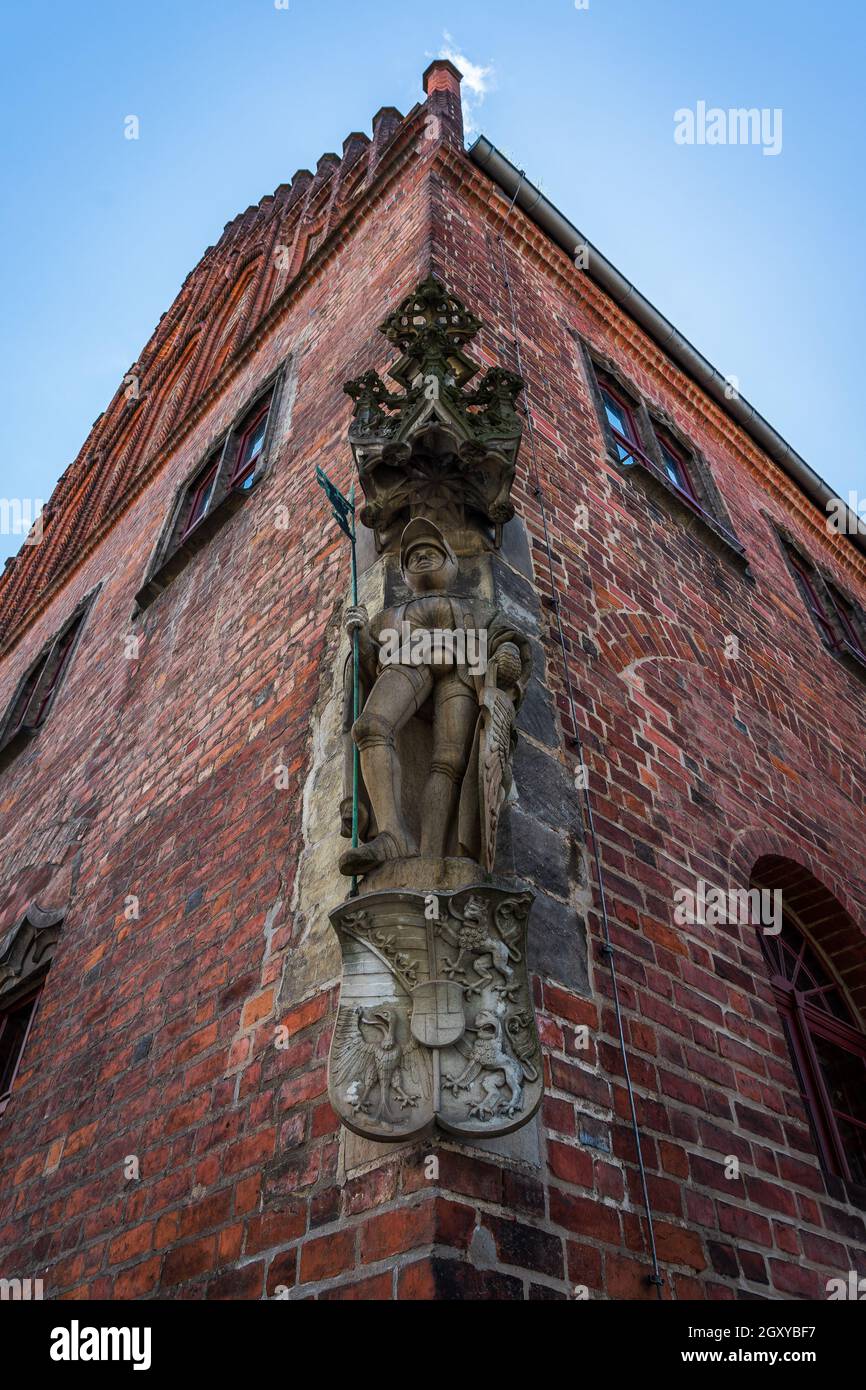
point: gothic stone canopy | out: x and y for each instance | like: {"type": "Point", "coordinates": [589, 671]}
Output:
{"type": "Point", "coordinates": [435, 449]}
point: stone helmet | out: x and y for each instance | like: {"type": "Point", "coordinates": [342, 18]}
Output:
{"type": "Point", "coordinates": [420, 531]}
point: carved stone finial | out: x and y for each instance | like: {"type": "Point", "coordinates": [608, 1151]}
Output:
{"type": "Point", "coordinates": [435, 448]}
{"type": "Point", "coordinates": [428, 326]}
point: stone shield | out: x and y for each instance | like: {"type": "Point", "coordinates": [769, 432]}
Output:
{"type": "Point", "coordinates": [438, 1017]}
{"type": "Point", "coordinates": [435, 1021]}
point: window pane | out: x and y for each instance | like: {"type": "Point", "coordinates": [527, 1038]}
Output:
{"type": "Point", "coordinates": [616, 415]}
{"type": "Point", "coordinates": [791, 956]}
{"type": "Point", "coordinates": [255, 441]}
{"type": "Point", "coordinates": [673, 468]}
{"type": "Point", "coordinates": [810, 1102]}
{"type": "Point", "coordinates": [12, 1041]}
{"type": "Point", "coordinates": [203, 501]}
{"type": "Point", "coordinates": [251, 447]}
{"type": "Point", "coordinates": [619, 421]}
{"type": "Point", "coordinates": [805, 574]}
{"type": "Point", "coordinates": [854, 1143]}
{"type": "Point", "coordinates": [60, 657]}
{"type": "Point", "coordinates": [845, 1077]}
{"type": "Point", "coordinates": [200, 495]}
{"type": "Point", "coordinates": [27, 691]}
{"type": "Point", "coordinates": [845, 614]}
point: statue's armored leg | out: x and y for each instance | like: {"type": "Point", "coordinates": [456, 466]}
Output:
{"type": "Point", "coordinates": [398, 693]}
{"type": "Point", "coordinates": [454, 723]}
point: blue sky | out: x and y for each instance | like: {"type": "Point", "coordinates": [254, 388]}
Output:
{"type": "Point", "coordinates": [757, 259]}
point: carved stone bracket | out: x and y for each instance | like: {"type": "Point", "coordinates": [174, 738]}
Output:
{"type": "Point", "coordinates": [26, 948]}
{"type": "Point", "coordinates": [33, 907]}
{"type": "Point", "coordinates": [435, 1020]}
{"type": "Point", "coordinates": [435, 449]}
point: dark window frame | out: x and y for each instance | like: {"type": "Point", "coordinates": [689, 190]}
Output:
{"type": "Point", "coordinates": [629, 442]}
{"type": "Point", "coordinates": [836, 617]}
{"type": "Point", "coordinates": [245, 469]}
{"type": "Point", "coordinates": [35, 694]}
{"type": "Point", "coordinates": [200, 490]}
{"type": "Point", "coordinates": [803, 1022]}
{"type": "Point", "coordinates": [847, 614]}
{"type": "Point", "coordinates": [701, 502]}
{"type": "Point", "coordinates": [669, 446]}
{"type": "Point", "coordinates": [806, 577]}
{"type": "Point", "coordinates": [182, 535]}
{"type": "Point", "coordinates": [32, 996]}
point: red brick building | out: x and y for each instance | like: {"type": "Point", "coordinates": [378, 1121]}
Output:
{"type": "Point", "coordinates": [167, 810]}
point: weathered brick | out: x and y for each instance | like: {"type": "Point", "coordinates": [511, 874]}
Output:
{"type": "Point", "coordinates": [186, 1261]}
{"type": "Point", "coordinates": [584, 1216]}
{"type": "Point", "coordinates": [392, 1232]}
{"type": "Point", "coordinates": [326, 1256]}
{"type": "Point", "coordinates": [570, 1164]}
{"type": "Point", "coordinates": [526, 1246]}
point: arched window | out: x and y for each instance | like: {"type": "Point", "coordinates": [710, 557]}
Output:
{"type": "Point", "coordinates": [828, 1048]}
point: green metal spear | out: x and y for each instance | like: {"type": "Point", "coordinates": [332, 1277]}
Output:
{"type": "Point", "coordinates": [343, 509]}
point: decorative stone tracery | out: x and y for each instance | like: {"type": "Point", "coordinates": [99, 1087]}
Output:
{"type": "Point", "coordinates": [435, 449]}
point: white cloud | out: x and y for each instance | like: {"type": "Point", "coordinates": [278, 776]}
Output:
{"type": "Point", "coordinates": [477, 80]}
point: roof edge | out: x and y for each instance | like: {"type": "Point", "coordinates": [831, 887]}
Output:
{"type": "Point", "coordinates": [532, 201]}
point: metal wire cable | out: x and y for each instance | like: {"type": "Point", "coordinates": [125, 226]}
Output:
{"type": "Point", "coordinates": [656, 1277]}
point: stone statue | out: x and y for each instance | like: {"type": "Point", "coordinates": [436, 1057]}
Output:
{"type": "Point", "coordinates": [462, 661]}
{"type": "Point", "coordinates": [435, 1024]}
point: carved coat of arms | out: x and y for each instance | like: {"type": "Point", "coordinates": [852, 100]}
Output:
{"type": "Point", "coordinates": [435, 1019]}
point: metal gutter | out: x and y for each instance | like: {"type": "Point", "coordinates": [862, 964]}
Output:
{"type": "Point", "coordinates": [517, 187]}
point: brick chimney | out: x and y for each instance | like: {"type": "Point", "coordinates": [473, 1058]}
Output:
{"type": "Point", "coordinates": [442, 86]}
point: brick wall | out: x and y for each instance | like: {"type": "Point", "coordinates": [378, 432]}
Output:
{"type": "Point", "coordinates": [155, 1038]}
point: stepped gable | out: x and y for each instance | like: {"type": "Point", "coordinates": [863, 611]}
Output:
{"type": "Point", "coordinates": [220, 304]}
